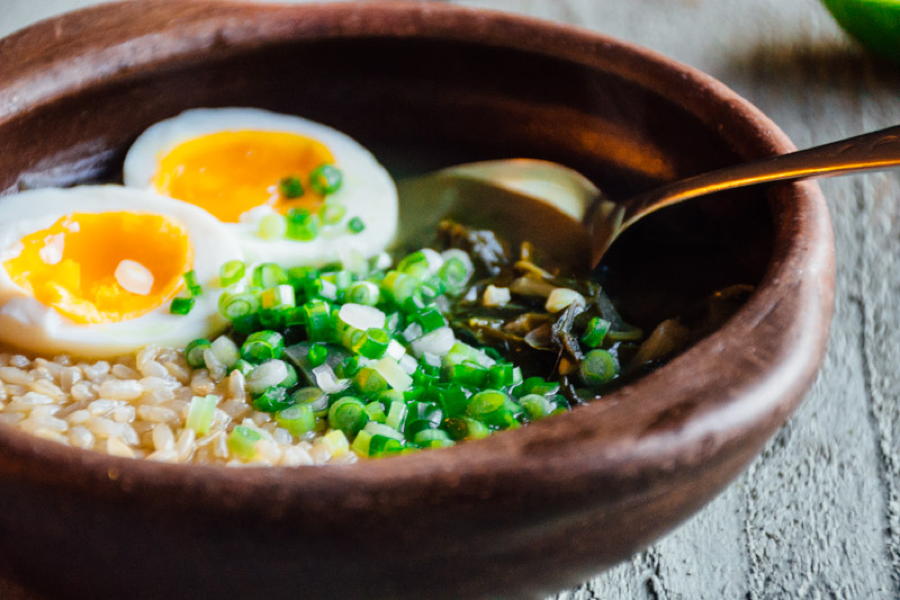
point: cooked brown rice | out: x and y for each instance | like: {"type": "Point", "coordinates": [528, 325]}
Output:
{"type": "Point", "coordinates": [136, 406]}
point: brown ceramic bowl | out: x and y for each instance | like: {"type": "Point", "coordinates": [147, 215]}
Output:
{"type": "Point", "coordinates": [424, 85]}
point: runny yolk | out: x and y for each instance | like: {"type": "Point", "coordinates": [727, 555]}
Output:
{"type": "Point", "coordinates": [231, 172]}
{"type": "Point", "coordinates": [71, 265]}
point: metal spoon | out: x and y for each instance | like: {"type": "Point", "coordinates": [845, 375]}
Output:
{"type": "Point", "coordinates": [491, 193]}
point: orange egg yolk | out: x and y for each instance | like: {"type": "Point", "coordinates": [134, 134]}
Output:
{"type": "Point", "coordinates": [74, 266]}
{"type": "Point", "coordinates": [231, 172]}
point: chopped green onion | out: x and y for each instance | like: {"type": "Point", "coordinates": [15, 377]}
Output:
{"type": "Point", "coordinates": [233, 306]}
{"type": "Point", "coordinates": [193, 352]}
{"type": "Point", "coordinates": [536, 385]}
{"type": "Point", "coordinates": [336, 442]}
{"type": "Point", "coordinates": [313, 397]}
{"type": "Point", "coordinates": [388, 396]}
{"type": "Point", "coordinates": [201, 412]}
{"type": "Point", "coordinates": [278, 297]}
{"type": "Point", "coordinates": [273, 399]}
{"type": "Point", "coordinates": [272, 227]}
{"type": "Point", "coordinates": [193, 286]}
{"type": "Point", "coordinates": [317, 354]}
{"type": "Point", "coordinates": [360, 444]}
{"type": "Point", "coordinates": [375, 410]}
{"type": "Point", "coordinates": [500, 375]}
{"type": "Point", "coordinates": [537, 406]}
{"type": "Point", "coordinates": [369, 381]}
{"type": "Point", "coordinates": [430, 318]}
{"type": "Point", "coordinates": [373, 344]}
{"type": "Point", "coordinates": [302, 276]}
{"type": "Point", "coordinates": [454, 400]}
{"type": "Point", "coordinates": [226, 351]}
{"type": "Point", "coordinates": [399, 286]}
{"type": "Point", "coordinates": [380, 429]}
{"type": "Point", "coordinates": [433, 287]}
{"type": "Point", "coordinates": [291, 187]}
{"type": "Point", "coordinates": [242, 442]}
{"type": "Point", "coordinates": [302, 225]}
{"type": "Point", "coordinates": [396, 417]}
{"type": "Point", "coordinates": [469, 374]}
{"type": "Point", "coordinates": [381, 445]}
{"type": "Point", "coordinates": [291, 379]}
{"type": "Point", "coordinates": [363, 292]}
{"type": "Point", "coordinates": [245, 367]}
{"type": "Point", "coordinates": [262, 346]}
{"type": "Point", "coordinates": [460, 352]}
{"type": "Point", "coordinates": [455, 273]}
{"type": "Point", "coordinates": [595, 332]}
{"type": "Point", "coordinates": [341, 279]}
{"type": "Point", "coordinates": [272, 372]}
{"type": "Point", "coordinates": [331, 214]}
{"type": "Point", "coordinates": [349, 415]}
{"type": "Point", "coordinates": [245, 324]}
{"type": "Point", "coordinates": [348, 367]}
{"type": "Point", "coordinates": [432, 438]}
{"type": "Point", "coordinates": [269, 275]}
{"type": "Point", "coordinates": [326, 179]}
{"type": "Point", "coordinates": [415, 264]}
{"type": "Point", "coordinates": [297, 420]}
{"type": "Point", "coordinates": [492, 407]}
{"type": "Point", "coordinates": [319, 323]}
{"type": "Point", "coordinates": [356, 225]}
{"type": "Point", "coordinates": [466, 428]}
{"type": "Point", "coordinates": [361, 316]}
{"type": "Point", "coordinates": [182, 306]}
{"type": "Point", "coordinates": [393, 373]}
{"type": "Point", "coordinates": [426, 411]}
{"type": "Point", "coordinates": [232, 272]}
{"type": "Point", "coordinates": [598, 367]}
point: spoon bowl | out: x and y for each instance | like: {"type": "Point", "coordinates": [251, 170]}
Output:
{"type": "Point", "coordinates": [561, 199]}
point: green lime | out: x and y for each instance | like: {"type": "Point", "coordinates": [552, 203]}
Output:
{"type": "Point", "coordinates": [875, 23]}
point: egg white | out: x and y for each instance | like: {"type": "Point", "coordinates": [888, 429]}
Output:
{"type": "Point", "coordinates": [367, 192]}
{"type": "Point", "coordinates": [28, 324]}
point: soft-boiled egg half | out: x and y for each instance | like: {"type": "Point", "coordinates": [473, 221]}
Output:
{"type": "Point", "coordinates": [232, 162]}
{"type": "Point", "coordinates": [92, 270]}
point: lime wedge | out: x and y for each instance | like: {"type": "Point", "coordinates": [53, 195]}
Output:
{"type": "Point", "coordinates": [875, 23]}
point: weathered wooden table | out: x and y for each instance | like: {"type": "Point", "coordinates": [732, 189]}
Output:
{"type": "Point", "coordinates": [818, 514]}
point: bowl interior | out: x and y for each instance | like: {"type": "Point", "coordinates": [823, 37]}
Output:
{"type": "Point", "coordinates": [424, 104]}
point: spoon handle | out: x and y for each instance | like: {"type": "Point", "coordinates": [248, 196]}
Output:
{"type": "Point", "coordinates": [870, 151]}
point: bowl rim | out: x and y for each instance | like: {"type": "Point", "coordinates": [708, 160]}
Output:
{"type": "Point", "coordinates": [768, 352]}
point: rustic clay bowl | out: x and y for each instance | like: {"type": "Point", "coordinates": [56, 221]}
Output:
{"type": "Point", "coordinates": [522, 513]}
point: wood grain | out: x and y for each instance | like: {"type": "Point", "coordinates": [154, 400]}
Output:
{"type": "Point", "coordinates": [818, 514]}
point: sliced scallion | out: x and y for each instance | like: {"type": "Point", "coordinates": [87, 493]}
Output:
{"type": "Point", "coordinates": [201, 412]}
{"type": "Point", "coordinates": [356, 225]}
{"type": "Point", "coordinates": [349, 415]}
{"type": "Point", "coordinates": [297, 420]}
{"type": "Point", "coordinates": [232, 272]}
{"type": "Point", "coordinates": [193, 352]}
{"type": "Point", "coordinates": [192, 284]}
{"type": "Point", "coordinates": [242, 442]}
{"type": "Point", "coordinates": [182, 306]}
{"type": "Point", "coordinates": [598, 367]}
{"type": "Point", "coordinates": [262, 345]}
{"type": "Point", "coordinates": [291, 187]}
{"type": "Point", "coordinates": [326, 179]}
{"type": "Point", "coordinates": [269, 275]}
